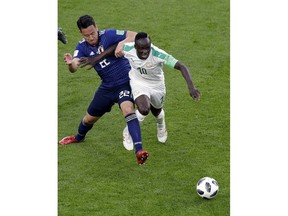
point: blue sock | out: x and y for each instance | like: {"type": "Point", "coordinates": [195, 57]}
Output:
{"type": "Point", "coordinates": [134, 130]}
{"type": "Point", "coordinates": [82, 131]}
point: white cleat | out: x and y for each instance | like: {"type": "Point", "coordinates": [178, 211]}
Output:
{"type": "Point", "coordinates": [127, 140]}
{"type": "Point", "coordinates": [162, 134]}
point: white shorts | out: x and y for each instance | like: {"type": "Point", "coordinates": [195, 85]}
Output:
{"type": "Point", "coordinates": [156, 93]}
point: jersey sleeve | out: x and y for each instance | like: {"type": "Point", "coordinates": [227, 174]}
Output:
{"type": "Point", "coordinates": [79, 50]}
{"type": "Point", "coordinates": [127, 48]}
{"type": "Point", "coordinates": [168, 59]}
{"type": "Point", "coordinates": [113, 36]}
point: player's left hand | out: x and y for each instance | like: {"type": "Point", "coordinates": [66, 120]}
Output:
{"type": "Point", "coordinates": [84, 61]}
{"type": "Point", "coordinates": [195, 94]}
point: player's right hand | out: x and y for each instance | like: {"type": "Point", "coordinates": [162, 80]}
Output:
{"type": "Point", "coordinates": [195, 94]}
{"type": "Point", "coordinates": [68, 58]}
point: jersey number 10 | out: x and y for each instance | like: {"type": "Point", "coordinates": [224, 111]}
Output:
{"type": "Point", "coordinates": [142, 70]}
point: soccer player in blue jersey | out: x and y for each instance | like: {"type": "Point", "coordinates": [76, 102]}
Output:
{"type": "Point", "coordinates": [114, 88]}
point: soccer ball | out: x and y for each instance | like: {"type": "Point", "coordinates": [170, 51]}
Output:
{"type": "Point", "coordinates": [207, 187]}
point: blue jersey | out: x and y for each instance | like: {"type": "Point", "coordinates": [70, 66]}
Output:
{"type": "Point", "coordinates": [112, 71]}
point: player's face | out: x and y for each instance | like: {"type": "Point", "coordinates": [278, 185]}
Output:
{"type": "Point", "coordinates": [143, 47]}
{"type": "Point", "coordinates": [90, 34]}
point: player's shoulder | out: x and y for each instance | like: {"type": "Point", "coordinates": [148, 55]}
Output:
{"type": "Point", "coordinates": [102, 32]}
{"type": "Point", "coordinates": [112, 32]}
{"type": "Point", "coordinates": [82, 41]}
{"type": "Point", "coordinates": [81, 44]}
{"type": "Point", "coordinates": [157, 52]}
{"type": "Point", "coordinates": [128, 46]}
{"type": "Point", "coordinates": [156, 48]}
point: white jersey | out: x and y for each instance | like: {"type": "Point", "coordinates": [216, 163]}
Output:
{"type": "Point", "coordinates": [146, 75]}
{"type": "Point", "coordinates": [148, 71]}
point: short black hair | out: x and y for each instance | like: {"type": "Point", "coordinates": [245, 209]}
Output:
{"type": "Point", "coordinates": [85, 21]}
{"type": "Point", "coordinates": [141, 35]}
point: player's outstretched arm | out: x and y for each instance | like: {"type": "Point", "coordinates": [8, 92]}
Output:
{"type": "Point", "coordinates": [72, 64]}
{"type": "Point", "coordinates": [194, 92]}
{"type": "Point", "coordinates": [130, 37]}
{"type": "Point", "coordinates": [92, 61]}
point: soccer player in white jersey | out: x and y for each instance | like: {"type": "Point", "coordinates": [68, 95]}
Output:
{"type": "Point", "coordinates": [148, 84]}
{"type": "Point", "coordinates": [147, 81]}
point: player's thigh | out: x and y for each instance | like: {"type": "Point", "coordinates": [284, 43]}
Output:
{"type": "Point", "coordinates": [123, 96]}
{"type": "Point", "coordinates": [138, 89]}
{"type": "Point", "coordinates": [157, 98]}
{"type": "Point", "coordinates": [141, 94]}
{"type": "Point", "coordinates": [102, 102]}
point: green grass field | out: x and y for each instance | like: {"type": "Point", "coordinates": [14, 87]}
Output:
{"type": "Point", "coordinates": [98, 176]}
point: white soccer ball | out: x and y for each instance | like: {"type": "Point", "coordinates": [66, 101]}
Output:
{"type": "Point", "coordinates": [207, 187]}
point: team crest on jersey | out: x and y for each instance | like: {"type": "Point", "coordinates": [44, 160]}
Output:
{"type": "Point", "coordinates": [100, 49]}
{"type": "Point", "coordinates": [149, 64]}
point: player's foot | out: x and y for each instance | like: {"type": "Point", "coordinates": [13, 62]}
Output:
{"type": "Point", "coordinates": [127, 140]}
{"type": "Point", "coordinates": [162, 134]}
{"type": "Point", "coordinates": [61, 36]}
{"type": "Point", "coordinates": [68, 140]}
{"type": "Point", "coordinates": [142, 156]}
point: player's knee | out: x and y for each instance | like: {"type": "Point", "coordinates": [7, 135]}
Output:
{"type": "Point", "coordinates": [144, 110]}
{"type": "Point", "coordinates": [89, 120]}
{"type": "Point", "coordinates": [127, 108]}
{"type": "Point", "coordinates": [156, 112]}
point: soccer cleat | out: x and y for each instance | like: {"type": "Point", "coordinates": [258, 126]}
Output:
{"type": "Point", "coordinates": [162, 134]}
{"type": "Point", "coordinates": [68, 140]}
{"type": "Point", "coordinates": [142, 156]}
{"type": "Point", "coordinates": [61, 36]}
{"type": "Point", "coordinates": [127, 140]}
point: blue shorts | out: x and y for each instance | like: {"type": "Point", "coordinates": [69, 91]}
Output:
{"type": "Point", "coordinates": [105, 98]}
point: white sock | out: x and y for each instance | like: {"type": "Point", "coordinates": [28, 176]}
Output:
{"type": "Point", "coordinates": [160, 119]}
{"type": "Point", "coordinates": [140, 116]}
